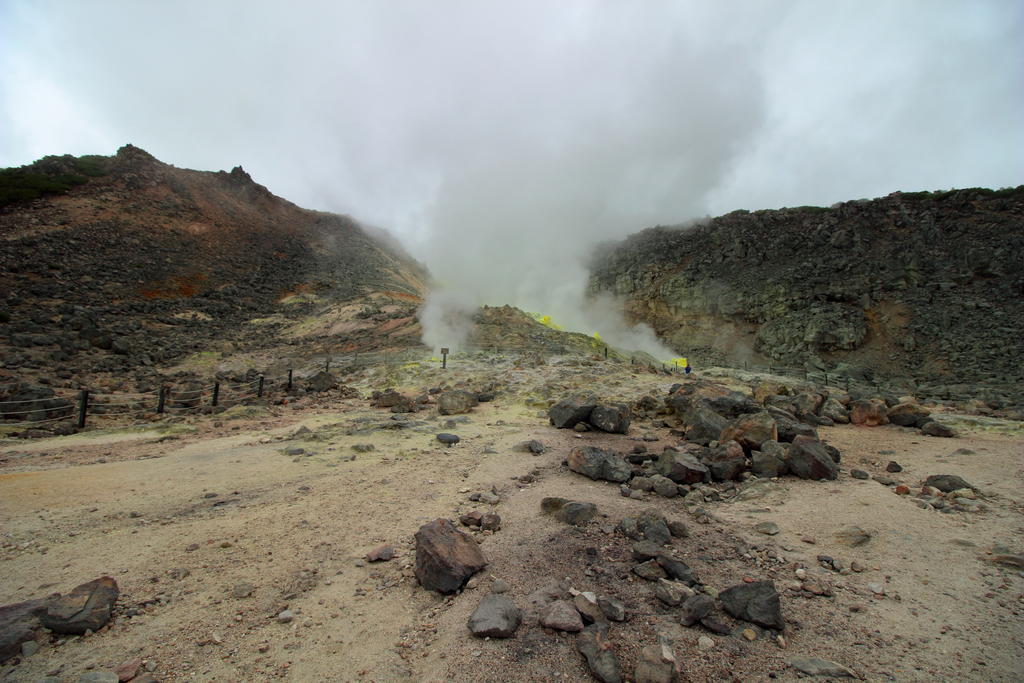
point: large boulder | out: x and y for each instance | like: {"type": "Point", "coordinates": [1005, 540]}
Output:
{"type": "Point", "coordinates": [790, 428]}
{"type": "Point", "coordinates": [766, 465]}
{"type": "Point", "coordinates": [610, 417]}
{"type": "Point", "coordinates": [567, 413]}
{"type": "Point", "coordinates": [495, 617]}
{"type": "Point", "coordinates": [446, 557]}
{"type": "Point", "coordinates": [726, 461]}
{"type": "Point", "coordinates": [807, 405]}
{"type": "Point", "coordinates": [870, 413]}
{"type": "Point", "coordinates": [456, 401]}
{"type": "Point", "coordinates": [682, 467]}
{"type": "Point", "coordinates": [703, 424]}
{"type": "Point", "coordinates": [908, 414]}
{"type": "Point", "coordinates": [86, 608]}
{"type": "Point", "coordinates": [598, 463]}
{"type": "Point", "coordinates": [808, 458]}
{"type": "Point", "coordinates": [834, 410]}
{"type": "Point", "coordinates": [756, 602]}
{"type": "Point", "coordinates": [751, 431]}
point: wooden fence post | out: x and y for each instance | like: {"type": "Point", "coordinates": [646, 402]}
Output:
{"type": "Point", "coordinates": [83, 407]}
{"type": "Point", "coordinates": [216, 393]}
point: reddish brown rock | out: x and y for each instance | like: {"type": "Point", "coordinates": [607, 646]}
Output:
{"type": "Point", "coordinates": [445, 557]}
{"type": "Point", "coordinates": [18, 624]}
{"type": "Point", "coordinates": [128, 670]}
{"type": "Point", "coordinates": [85, 608]}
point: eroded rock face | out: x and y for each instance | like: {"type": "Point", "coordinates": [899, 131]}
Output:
{"type": "Point", "coordinates": [86, 608]}
{"type": "Point", "coordinates": [446, 557]}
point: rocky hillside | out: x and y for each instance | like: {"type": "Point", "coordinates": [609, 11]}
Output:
{"type": "Point", "coordinates": [927, 288]}
{"type": "Point", "coordinates": [112, 263]}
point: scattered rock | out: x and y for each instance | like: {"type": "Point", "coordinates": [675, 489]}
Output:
{"type": "Point", "coordinates": [321, 381]}
{"type": "Point", "coordinates": [612, 608]}
{"type": "Point", "coordinates": [682, 467]}
{"type": "Point", "coordinates": [934, 428]}
{"type": "Point", "coordinates": [821, 667]}
{"type": "Point", "coordinates": [672, 593]}
{"type": "Point", "coordinates": [705, 643]}
{"type": "Point", "coordinates": [445, 557]}
{"type": "Point", "coordinates": [893, 467]}
{"type": "Point", "coordinates": [472, 518]}
{"type": "Point", "coordinates": [561, 616]}
{"type": "Point", "coordinates": [808, 459]}
{"type": "Point", "coordinates": [947, 482]}
{"type": "Point", "coordinates": [908, 415]}
{"type": "Point", "coordinates": [650, 570]}
{"type": "Point", "coordinates": [569, 511]}
{"type": "Point", "coordinates": [568, 413]}
{"type": "Point", "coordinates": [594, 646]}
{"type": "Point", "coordinates": [532, 446]}
{"type": "Point", "coordinates": [657, 664]}
{"type": "Point", "coordinates": [750, 431]}
{"type": "Point", "coordinates": [448, 439]}
{"type": "Point", "coordinates": [870, 413]}
{"type": "Point", "coordinates": [128, 670]}
{"type": "Point", "coordinates": [767, 528]}
{"type": "Point", "coordinates": [490, 521]}
{"type": "Point", "coordinates": [242, 590]}
{"type": "Point", "coordinates": [381, 553]}
{"type": "Point", "coordinates": [677, 570]}
{"type": "Point", "coordinates": [610, 417]}
{"type": "Point", "coordinates": [859, 474]}
{"type": "Point", "coordinates": [726, 461]}
{"type": "Point", "coordinates": [495, 617]}
{"type": "Point", "coordinates": [285, 617]}
{"type": "Point", "coordinates": [86, 608]}
{"type": "Point", "coordinates": [757, 603]}
{"type": "Point", "coordinates": [586, 604]}
{"type": "Point", "coordinates": [852, 536]}
{"type": "Point", "coordinates": [456, 401]}
{"type": "Point", "coordinates": [18, 624]}
{"type": "Point", "coordinates": [598, 463]}
{"type": "Point", "coordinates": [695, 608]}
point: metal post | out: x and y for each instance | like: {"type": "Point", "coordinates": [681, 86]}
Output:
{"type": "Point", "coordinates": [444, 358]}
{"type": "Point", "coordinates": [289, 379]}
{"type": "Point", "coordinates": [259, 392]}
{"type": "Point", "coordinates": [83, 406]}
{"type": "Point", "coordinates": [162, 400]}
{"type": "Point", "coordinates": [216, 393]}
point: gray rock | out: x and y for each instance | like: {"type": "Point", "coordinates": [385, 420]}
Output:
{"type": "Point", "coordinates": [678, 529]}
{"type": "Point", "coordinates": [704, 425]}
{"type": "Point", "coordinates": [767, 466]}
{"type": "Point", "coordinates": [18, 624]}
{"type": "Point", "coordinates": [756, 602]}
{"type": "Point", "coordinates": [726, 461]}
{"type": "Point", "coordinates": [561, 616]}
{"type": "Point", "coordinates": [672, 593]}
{"type": "Point", "coordinates": [321, 381]}
{"type": "Point", "coordinates": [908, 415]}
{"type": "Point", "coordinates": [767, 528]}
{"type": "Point", "coordinates": [682, 467]}
{"type": "Point", "coordinates": [610, 417]}
{"type": "Point", "coordinates": [285, 617]}
{"type": "Point", "coordinates": [593, 645]}
{"type": "Point", "coordinates": [294, 450]}
{"type": "Point", "coordinates": [947, 482]}
{"type": "Point", "coordinates": [568, 413]}
{"type": "Point", "coordinates": [695, 608]}
{"type": "Point", "coordinates": [677, 570]}
{"type": "Point", "coordinates": [650, 570]}
{"type": "Point", "coordinates": [612, 608]}
{"type": "Point", "coordinates": [586, 604]}
{"type": "Point", "coordinates": [859, 474]}
{"type": "Point", "coordinates": [893, 467]}
{"type": "Point", "coordinates": [664, 487]}
{"type": "Point", "coordinates": [456, 401]}
{"type": "Point", "coordinates": [653, 527]}
{"type": "Point", "coordinates": [569, 511]}
{"type": "Point", "coordinates": [657, 664]}
{"type": "Point", "coordinates": [532, 446]}
{"type": "Point", "coordinates": [598, 463]}
{"type": "Point", "coordinates": [242, 590]}
{"type": "Point", "coordinates": [646, 550]}
{"type": "Point", "coordinates": [495, 617]}
{"type": "Point", "coordinates": [934, 428]}
{"type": "Point", "coordinates": [821, 667]}
{"type": "Point", "coordinates": [448, 439]}
{"type": "Point", "coordinates": [86, 608]}
{"type": "Point", "coordinates": [808, 459]}
{"type": "Point", "coordinates": [99, 677]}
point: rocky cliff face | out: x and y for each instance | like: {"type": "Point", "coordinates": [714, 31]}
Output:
{"type": "Point", "coordinates": [108, 263]}
{"type": "Point", "coordinates": [925, 287]}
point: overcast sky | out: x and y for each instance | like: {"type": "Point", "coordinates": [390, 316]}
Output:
{"type": "Point", "coordinates": [518, 133]}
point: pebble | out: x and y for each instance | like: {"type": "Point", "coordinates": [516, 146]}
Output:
{"type": "Point", "coordinates": [749, 634]}
{"type": "Point", "coordinates": [859, 474]}
{"type": "Point", "coordinates": [499, 586]}
{"type": "Point", "coordinates": [767, 528]}
{"type": "Point", "coordinates": [705, 643]}
{"type": "Point", "coordinates": [285, 617]}
{"type": "Point", "coordinates": [242, 590]}
{"type": "Point", "coordinates": [876, 588]}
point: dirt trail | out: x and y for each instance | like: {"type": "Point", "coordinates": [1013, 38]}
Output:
{"type": "Point", "coordinates": [181, 523]}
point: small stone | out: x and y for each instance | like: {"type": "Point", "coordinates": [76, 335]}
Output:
{"type": "Point", "coordinates": [561, 616]}
{"type": "Point", "coordinates": [191, 547]}
{"type": "Point", "coordinates": [749, 634]}
{"type": "Point", "coordinates": [499, 586]}
{"type": "Point", "coordinates": [612, 608]}
{"type": "Point", "coordinates": [705, 643]}
{"type": "Point", "coordinates": [285, 616]}
{"type": "Point", "coordinates": [29, 648]}
{"type": "Point", "coordinates": [695, 608]}
{"type": "Point", "coordinates": [893, 467]}
{"type": "Point", "coordinates": [490, 522]}
{"type": "Point", "coordinates": [857, 566]}
{"type": "Point", "coordinates": [650, 570]}
{"type": "Point", "coordinates": [902, 490]}
{"type": "Point", "coordinates": [852, 536]}
{"type": "Point", "coordinates": [821, 667]}
{"type": "Point", "coordinates": [242, 590]}
{"type": "Point", "coordinates": [381, 554]}
{"type": "Point", "coordinates": [672, 593]}
{"type": "Point", "coordinates": [128, 670]}
{"type": "Point", "coordinates": [448, 439]}
{"type": "Point", "coordinates": [876, 588]}
{"type": "Point", "coordinates": [767, 528]}
{"type": "Point", "coordinates": [859, 474]}
{"type": "Point", "coordinates": [601, 659]}
{"type": "Point", "coordinates": [495, 617]}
